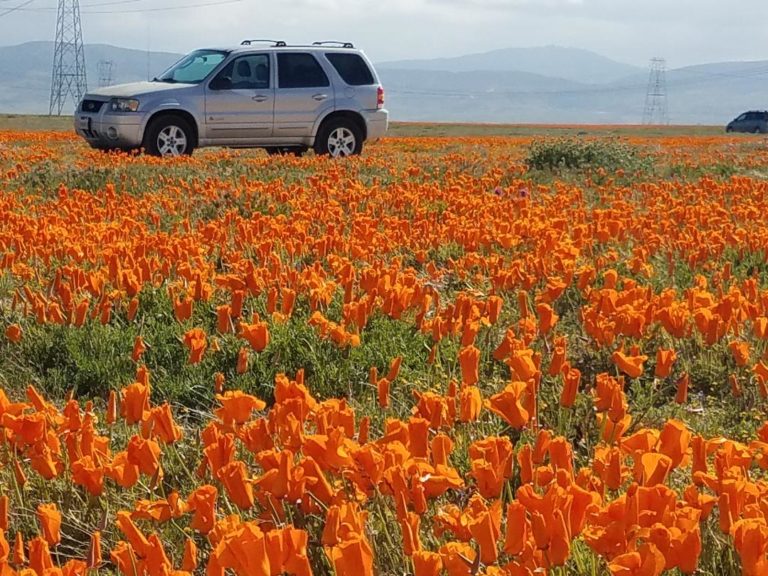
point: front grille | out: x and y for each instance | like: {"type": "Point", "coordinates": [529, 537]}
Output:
{"type": "Point", "coordinates": [91, 106]}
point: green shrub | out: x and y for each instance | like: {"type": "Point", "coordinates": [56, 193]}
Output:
{"type": "Point", "coordinates": [577, 153]}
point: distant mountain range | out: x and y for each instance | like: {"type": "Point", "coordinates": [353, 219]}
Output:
{"type": "Point", "coordinates": [519, 85]}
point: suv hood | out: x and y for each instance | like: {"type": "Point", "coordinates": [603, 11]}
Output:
{"type": "Point", "coordinates": [136, 89]}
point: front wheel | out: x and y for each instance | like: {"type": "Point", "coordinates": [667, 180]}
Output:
{"type": "Point", "coordinates": [339, 138]}
{"type": "Point", "coordinates": [169, 136]}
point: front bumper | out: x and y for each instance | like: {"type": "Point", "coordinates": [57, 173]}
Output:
{"type": "Point", "coordinates": [377, 122]}
{"type": "Point", "coordinates": [106, 129]}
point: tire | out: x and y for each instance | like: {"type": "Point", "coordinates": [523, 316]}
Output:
{"type": "Point", "coordinates": [339, 137]}
{"type": "Point", "coordinates": [169, 135]}
{"type": "Point", "coordinates": [756, 130]}
{"type": "Point", "coordinates": [297, 151]}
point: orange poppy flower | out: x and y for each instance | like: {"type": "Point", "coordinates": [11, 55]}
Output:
{"type": "Point", "coordinates": [522, 364]}
{"type": "Point", "coordinates": [224, 319]}
{"type": "Point", "coordinates": [161, 425]}
{"type": "Point", "coordinates": [382, 389]}
{"type": "Point", "coordinates": [632, 366]}
{"type": "Point", "coordinates": [681, 396]}
{"type": "Point", "coordinates": [195, 339]}
{"type": "Point", "coordinates": [40, 560]}
{"type": "Point", "coordinates": [470, 403]}
{"type": "Point", "coordinates": [13, 333]}
{"type": "Point", "coordinates": [145, 454]}
{"type": "Point", "coordinates": [256, 334]}
{"type": "Point", "coordinates": [50, 523]}
{"type": "Point", "coordinates": [138, 348]}
{"type": "Point", "coordinates": [509, 404]}
{"type": "Point", "coordinates": [646, 561]}
{"type": "Point", "coordinates": [469, 360]}
{"type": "Point", "coordinates": [134, 402]}
{"type": "Point", "coordinates": [410, 527]}
{"type": "Point", "coordinates": [202, 503]}
{"type": "Point", "coordinates": [547, 318]}
{"type": "Point", "coordinates": [237, 406]}
{"type": "Point", "coordinates": [664, 361]}
{"type": "Point", "coordinates": [242, 360]}
{"type": "Point", "coordinates": [18, 557]}
{"type": "Point", "coordinates": [234, 477]}
{"type": "Point", "coordinates": [394, 368]}
{"type": "Point", "coordinates": [94, 551]}
{"type": "Point", "coordinates": [4, 513]}
{"type": "Point", "coordinates": [740, 351]}
{"type": "Point", "coordinates": [111, 415]}
{"type": "Point", "coordinates": [426, 563]}
{"type": "Point", "coordinates": [189, 560]}
{"type": "Point", "coordinates": [124, 558]}
{"type": "Point", "coordinates": [87, 473]}
{"type": "Point", "coordinates": [571, 381]}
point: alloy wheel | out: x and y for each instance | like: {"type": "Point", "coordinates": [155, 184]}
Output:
{"type": "Point", "coordinates": [172, 141]}
{"type": "Point", "coordinates": [341, 142]}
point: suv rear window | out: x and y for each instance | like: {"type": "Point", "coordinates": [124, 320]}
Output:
{"type": "Point", "coordinates": [352, 68]}
{"type": "Point", "coordinates": [300, 70]}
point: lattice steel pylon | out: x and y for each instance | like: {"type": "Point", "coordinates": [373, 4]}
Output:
{"type": "Point", "coordinates": [106, 69]}
{"type": "Point", "coordinates": [68, 77]}
{"type": "Point", "coordinates": [656, 111]}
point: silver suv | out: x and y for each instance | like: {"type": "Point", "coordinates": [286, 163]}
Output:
{"type": "Point", "coordinates": [262, 94]}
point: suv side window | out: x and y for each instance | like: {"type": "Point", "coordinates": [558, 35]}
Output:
{"type": "Point", "coordinates": [352, 68]}
{"type": "Point", "coordinates": [249, 72]}
{"type": "Point", "coordinates": [300, 70]}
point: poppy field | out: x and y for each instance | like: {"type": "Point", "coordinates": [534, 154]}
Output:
{"type": "Point", "coordinates": [451, 356]}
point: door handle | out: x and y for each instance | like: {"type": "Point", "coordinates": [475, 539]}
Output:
{"type": "Point", "coordinates": [260, 98]}
{"type": "Point", "coordinates": [320, 97]}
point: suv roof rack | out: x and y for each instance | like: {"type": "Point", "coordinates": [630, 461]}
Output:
{"type": "Point", "coordinates": [342, 44]}
{"type": "Point", "coordinates": [257, 40]}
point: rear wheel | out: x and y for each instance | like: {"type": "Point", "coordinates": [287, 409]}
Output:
{"type": "Point", "coordinates": [169, 136]}
{"type": "Point", "coordinates": [338, 138]}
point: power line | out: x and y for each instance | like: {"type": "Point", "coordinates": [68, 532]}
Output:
{"type": "Point", "coordinates": [16, 8]}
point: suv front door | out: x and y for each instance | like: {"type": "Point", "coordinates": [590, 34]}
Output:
{"type": "Point", "coordinates": [240, 101]}
{"type": "Point", "coordinates": [304, 93]}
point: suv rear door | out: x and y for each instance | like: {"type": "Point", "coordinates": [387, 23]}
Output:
{"type": "Point", "coordinates": [304, 93]}
{"type": "Point", "coordinates": [240, 101]}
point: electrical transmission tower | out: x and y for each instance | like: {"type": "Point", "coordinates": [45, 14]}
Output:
{"type": "Point", "coordinates": [68, 77]}
{"type": "Point", "coordinates": [106, 69]}
{"type": "Point", "coordinates": [656, 97]}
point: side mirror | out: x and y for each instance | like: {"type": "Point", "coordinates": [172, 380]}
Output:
{"type": "Point", "coordinates": [222, 83]}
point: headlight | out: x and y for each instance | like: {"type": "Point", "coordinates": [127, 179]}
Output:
{"type": "Point", "coordinates": [123, 105]}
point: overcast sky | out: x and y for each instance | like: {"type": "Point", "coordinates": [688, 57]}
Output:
{"type": "Point", "coordinates": [683, 31]}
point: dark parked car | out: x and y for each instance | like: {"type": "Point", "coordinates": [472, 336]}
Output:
{"type": "Point", "coordinates": [753, 122]}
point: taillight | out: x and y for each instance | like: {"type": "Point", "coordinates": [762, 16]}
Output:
{"type": "Point", "coordinates": [380, 98]}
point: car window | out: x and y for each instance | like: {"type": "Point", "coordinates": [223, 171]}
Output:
{"type": "Point", "coordinates": [249, 72]}
{"type": "Point", "coordinates": [194, 67]}
{"type": "Point", "coordinates": [352, 68]}
{"type": "Point", "coordinates": [742, 117]}
{"type": "Point", "coordinates": [300, 70]}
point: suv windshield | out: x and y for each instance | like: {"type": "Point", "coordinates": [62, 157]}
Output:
{"type": "Point", "coordinates": [194, 67]}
